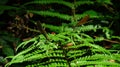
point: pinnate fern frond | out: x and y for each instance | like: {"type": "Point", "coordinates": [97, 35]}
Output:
{"type": "Point", "coordinates": [68, 4]}
{"type": "Point", "coordinates": [78, 3]}
{"type": "Point", "coordinates": [57, 54]}
{"type": "Point", "coordinates": [51, 14]}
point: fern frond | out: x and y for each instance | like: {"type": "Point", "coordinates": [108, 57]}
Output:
{"type": "Point", "coordinates": [88, 28]}
{"type": "Point", "coordinates": [33, 41]}
{"type": "Point", "coordinates": [2, 7]}
{"type": "Point", "coordinates": [105, 1]}
{"type": "Point", "coordinates": [96, 57]}
{"type": "Point", "coordinates": [76, 53]}
{"type": "Point", "coordinates": [53, 28]}
{"type": "Point", "coordinates": [91, 60]}
{"type": "Point", "coordinates": [58, 29]}
{"type": "Point", "coordinates": [106, 63]}
{"type": "Point", "coordinates": [107, 32]}
{"type": "Point", "coordinates": [79, 3]}
{"type": "Point", "coordinates": [118, 37]}
{"type": "Point", "coordinates": [68, 4]}
{"type": "Point", "coordinates": [51, 14]}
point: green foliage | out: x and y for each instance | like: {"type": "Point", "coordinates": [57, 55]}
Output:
{"type": "Point", "coordinates": [68, 47]}
{"type": "Point", "coordinates": [68, 4]}
{"type": "Point", "coordinates": [6, 45]}
{"type": "Point", "coordinates": [6, 41]}
{"type": "Point", "coordinates": [92, 13]}
{"type": "Point", "coordinates": [4, 7]}
{"type": "Point", "coordinates": [51, 14]}
{"type": "Point", "coordinates": [105, 1]}
{"type": "Point", "coordinates": [55, 52]}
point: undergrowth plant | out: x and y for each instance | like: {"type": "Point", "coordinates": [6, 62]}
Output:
{"type": "Point", "coordinates": [66, 49]}
{"type": "Point", "coordinates": [70, 45]}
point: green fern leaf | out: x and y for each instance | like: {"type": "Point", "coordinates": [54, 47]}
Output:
{"type": "Point", "coordinates": [68, 4]}
{"type": "Point", "coordinates": [51, 14]}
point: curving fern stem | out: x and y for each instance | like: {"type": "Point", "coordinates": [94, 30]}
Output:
{"type": "Point", "coordinates": [68, 47]}
{"type": "Point", "coordinates": [74, 12]}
